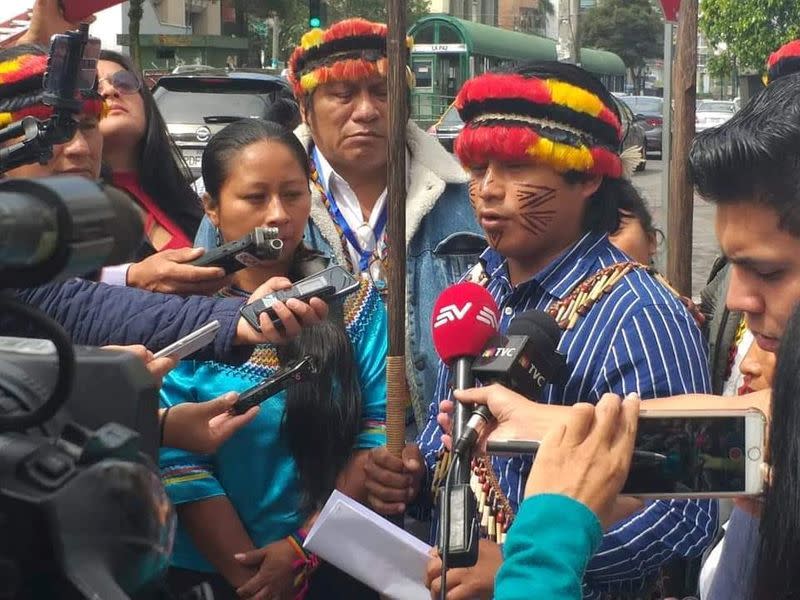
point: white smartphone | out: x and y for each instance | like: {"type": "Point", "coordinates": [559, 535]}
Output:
{"type": "Point", "coordinates": [191, 343]}
{"type": "Point", "coordinates": [687, 454]}
{"type": "Point", "coordinates": [698, 454]}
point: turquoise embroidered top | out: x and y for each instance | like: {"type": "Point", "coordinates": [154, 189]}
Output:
{"type": "Point", "coordinates": [255, 469]}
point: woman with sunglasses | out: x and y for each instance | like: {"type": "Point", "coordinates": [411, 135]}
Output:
{"type": "Point", "coordinates": [144, 161]}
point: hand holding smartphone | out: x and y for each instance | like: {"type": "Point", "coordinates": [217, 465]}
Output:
{"type": "Point", "coordinates": [331, 284]}
{"type": "Point", "coordinates": [191, 343]}
{"type": "Point", "coordinates": [687, 454]}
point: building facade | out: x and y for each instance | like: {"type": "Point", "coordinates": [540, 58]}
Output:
{"type": "Point", "coordinates": [175, 33]}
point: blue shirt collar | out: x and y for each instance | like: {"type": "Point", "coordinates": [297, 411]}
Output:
{"type": "Point", "coordinates": [563, 273]}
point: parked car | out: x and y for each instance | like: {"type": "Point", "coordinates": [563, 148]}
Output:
{"type": "Point", "coordinates": [449, 125]}
{"type": "Point", "coordinates": [711, 113]}
{"type": "Point", "coordinates": [183, 69]}
{"type": "Point", "coordinates": [197, 105]}
{"type": "Point", "coordinates": [650, 110]}
{"type": "Point", "coordinates": [447, 128]}
{"type": "Point", "coordinates": [634, 131]}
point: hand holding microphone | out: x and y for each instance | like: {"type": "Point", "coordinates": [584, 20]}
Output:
{"type": "Point", "coordinates": [524, 360]}
{"type": "Point", "coordinates": [465, 317]}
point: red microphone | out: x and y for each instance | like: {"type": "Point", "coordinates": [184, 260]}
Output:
{"type": "Point", "coordinates": [465, 317]}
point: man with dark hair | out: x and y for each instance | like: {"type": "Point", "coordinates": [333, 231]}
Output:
{"type": "Point", "coordinates": [750, 168]}
{"type": "Point", "coordinates": [542, 146]}
{"type": "Point", "coordinates": [338, 76]}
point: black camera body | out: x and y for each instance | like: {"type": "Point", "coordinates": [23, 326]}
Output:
{"type": "Point", "coordinates": [77, 512]}
{"type": "Point", "coordinates": [83, 513]}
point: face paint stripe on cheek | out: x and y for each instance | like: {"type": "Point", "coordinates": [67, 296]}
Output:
{"type": "Point", "coordinates": [534, 201]}
{"type": "Point", "coordinates": [473, 193]}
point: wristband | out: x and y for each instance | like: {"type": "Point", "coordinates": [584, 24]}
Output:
{"type": "Point", "coordinates": [305, 564]}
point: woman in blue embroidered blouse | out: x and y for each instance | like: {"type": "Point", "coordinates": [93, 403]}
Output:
{"type": "Point", "coordinates": [242, 512]}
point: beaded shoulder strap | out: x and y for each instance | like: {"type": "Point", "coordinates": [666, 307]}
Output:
{"type": "Point", "coordinates": [495, 512]}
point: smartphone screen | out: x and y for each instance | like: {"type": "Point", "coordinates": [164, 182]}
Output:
{"type": "Point", "coordinates": [685, 455]}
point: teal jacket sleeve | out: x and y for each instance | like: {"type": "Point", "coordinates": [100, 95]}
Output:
{"type": "Point", "coordinates": [547, 549]}
{"type": "Point", "coordinates": [187, 477]}
{"type": "Point", "coordinates": [368, 332]}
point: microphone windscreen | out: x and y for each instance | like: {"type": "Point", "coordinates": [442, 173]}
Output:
{"type": "Point", "coordinates": [525, 323]}
{"type": "Point", "coordinates": [465, 316]}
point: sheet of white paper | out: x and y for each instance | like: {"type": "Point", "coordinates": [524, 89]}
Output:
{"type": "Point", "coordinates": [368, 547]}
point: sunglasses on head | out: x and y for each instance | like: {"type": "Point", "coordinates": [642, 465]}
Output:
{"type": "Point", "coordinates": [123, 81]}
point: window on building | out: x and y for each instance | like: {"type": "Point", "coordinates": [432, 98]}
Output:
{"type": "Point", "coordinates": [448, 35]}
{"type": "Point", "coordinates": [424, 35]}
{"type": "Point", "coordinates": [423, 73]}
{"type": "Point", "coordinates": [165, 53]}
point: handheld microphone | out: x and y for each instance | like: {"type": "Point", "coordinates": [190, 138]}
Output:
{"type": "Point", "coordinates": [465, 317]}
{"type": "Point", "coordinates": [524, 360]}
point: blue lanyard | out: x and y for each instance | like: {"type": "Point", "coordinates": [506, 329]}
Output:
{"type": "Point", "coordinates": [364, 256]}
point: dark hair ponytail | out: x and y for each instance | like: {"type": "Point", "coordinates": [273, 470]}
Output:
{"type": "Point", "coordinates": [777, 576]}
{"type": "Point", "coordinates": [322, 416]}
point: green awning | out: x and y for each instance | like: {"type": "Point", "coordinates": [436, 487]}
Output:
{"type": "Point", "coordinates": [602, 62]}
{"type": "Point", "coordinates": [491, 41]}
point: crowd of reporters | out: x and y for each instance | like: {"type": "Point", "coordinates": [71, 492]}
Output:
{"type": "Point", "coordinates": [571, 495]}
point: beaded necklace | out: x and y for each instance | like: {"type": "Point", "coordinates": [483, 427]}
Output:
{"type": "Point", "coordinates": [371, 264]}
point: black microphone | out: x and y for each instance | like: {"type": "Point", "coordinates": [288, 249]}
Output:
{"type": "Point", "coordinates": [59, 227]}
{"type": "Point", "coordinates": [524, 360]}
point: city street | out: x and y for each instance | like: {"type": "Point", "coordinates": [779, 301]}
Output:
{"type": "Point", "coordinates": [705, 247]}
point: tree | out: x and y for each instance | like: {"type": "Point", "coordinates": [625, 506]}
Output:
{"type": "Point", "coordinates": [745, 32]}
{"type": "Point", "coordinates": [632, 29]}
{"type": "Point", "coordinates": [135, 13]}
{"type": "Point", "coordinates": [373, 10]}
{"type": "Point", "coordinates": [294, 15]}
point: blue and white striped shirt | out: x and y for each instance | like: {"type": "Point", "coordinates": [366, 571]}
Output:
{"type": "Point", "coordinates": [637, 338]}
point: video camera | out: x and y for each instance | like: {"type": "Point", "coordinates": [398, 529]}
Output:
{"type": "Point", "coordinates": [83, 511]}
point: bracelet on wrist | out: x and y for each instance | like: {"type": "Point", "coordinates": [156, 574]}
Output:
{"type": "Point", "coordinates": [296, 539]}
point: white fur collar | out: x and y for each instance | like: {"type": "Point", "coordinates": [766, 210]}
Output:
{"type": "Point", "coordinates": [431, 168]}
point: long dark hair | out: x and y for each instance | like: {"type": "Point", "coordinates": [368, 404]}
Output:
{"type": "Point", "coordinates": [322, 416]}
{"type": "Point", "coordinates": [777, 575]}
{"type": "Point", "coordinates": [163, 174]}
{"type": "Point", "coordinates": [602, 209]}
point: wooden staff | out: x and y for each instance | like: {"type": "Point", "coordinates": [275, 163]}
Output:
{"type": "Point", "coordinates": [680, 210]}
{"type": "Point", "coordinates": [396, 384]}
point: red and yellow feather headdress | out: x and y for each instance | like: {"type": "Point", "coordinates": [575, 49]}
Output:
{"type": "Point", "coordinates": [519, 118]}
{"type": "Point", "coordinates": [784, 61]}
{"type": "Point", "coordinates": [350, 50]}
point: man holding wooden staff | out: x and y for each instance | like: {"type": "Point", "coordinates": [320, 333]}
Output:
{"type": "Point", "coordinates": [339, 79]}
